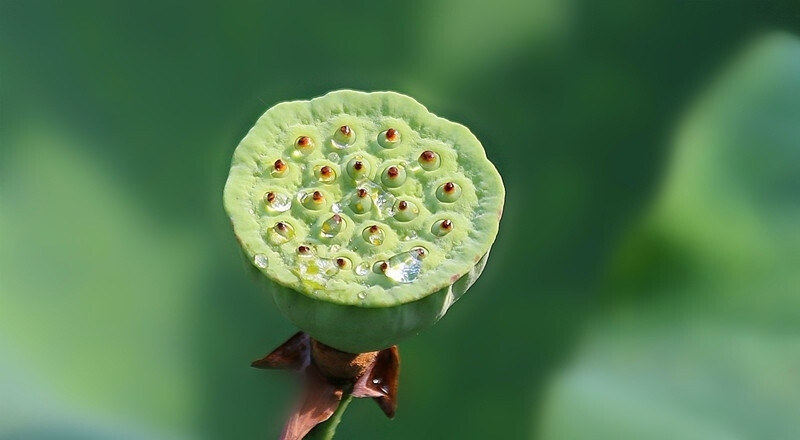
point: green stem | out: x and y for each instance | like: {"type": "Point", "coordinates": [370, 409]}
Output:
{"type": "Point", "coordinates": [327, 429]}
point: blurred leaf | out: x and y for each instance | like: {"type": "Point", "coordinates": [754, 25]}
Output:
{"type": "Point", "coordinates": [702, 340]}
{"type": "Point", "coordinates": [95, 296]}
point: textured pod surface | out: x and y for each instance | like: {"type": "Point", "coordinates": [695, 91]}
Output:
{"type": "Point", "coordinates": [333, 200]}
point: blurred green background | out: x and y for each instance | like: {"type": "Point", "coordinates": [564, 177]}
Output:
{"type": "Point", "coordinates": [645, 283]}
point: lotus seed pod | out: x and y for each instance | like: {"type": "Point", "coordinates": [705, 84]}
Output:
{"type": "Point", "coordinates": [367, 215]}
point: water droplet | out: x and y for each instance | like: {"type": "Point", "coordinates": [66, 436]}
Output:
{"type": "Point", "coordinates": [260, 260]}
{"type": "Point", "coordinates": [335, 248]}
{"type": "Point", "coordinates": [332, 226]}
{"type": "Point", "coordinates": [251, 211]}
{"type": "Point", "coordinates": [362, 295]}
{"type": "Point", "coordinates": [362, 269]}
{"type": "Point", "coordinates": [412, 235]}
{"type": "Point", "coordinates": [336, 208]}
{"type": "Point", "coordinates": [277, 202]}
{"type": "Point", "coordinates": [333, 157]}
{"type": "Point", "coordinates": [373, 235]}
{"type": "Point", "coordinates": [281, 233]}
{"type": "Point", "coordinates": [405, 267]}
{"type": "Point", "coordinates": [376, 381]}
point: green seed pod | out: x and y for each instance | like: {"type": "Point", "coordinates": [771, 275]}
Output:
{"type": "Point", "coordinates": [380, 222]}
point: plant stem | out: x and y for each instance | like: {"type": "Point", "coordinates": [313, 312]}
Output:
{"type": "Point", "coordinates": [327, 429]}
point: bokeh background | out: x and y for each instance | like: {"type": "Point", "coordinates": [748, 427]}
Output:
{"type": "Point", "coordinates": [645, 283]}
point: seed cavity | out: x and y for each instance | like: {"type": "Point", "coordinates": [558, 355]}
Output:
{"type": "Point", "coordinates": [405, 267]}
{"type": "Point", "coordinates": [280, 233]}
{"type": "Point", "coordinates": [305, 250]}
{"type": "Point", "coordinates": [332, 226]}
{"type": "Point", "coordinates": [373, 235]}
{"type": "Point", "coordinates": [429, 160]}
{"type": "Point", "coordinates": [389, 138]}
{"type": "Point", "coordinates": [325, 174]}
{"type": "Point", "coordinates": [313, 201]}
{"type": "Point", "coordinates": [448, 192]}
{"type": "Point", "coordinates": [343, 137]}
{"type": "Point", "coordinates": [442, 227]}
{"type": "Point", "coordinates": [343, 263]}
{"type": "Point", "coordinates": [304, 144]}
{"type": "Point", "coordinates": [358, 168]}
{"type": "Point", "coordinates": [405, 211]}
{"type": "Point", "coordinates": [279, 168]}
{"type": "Point", "coordinates": [393, 176]}
{"type": "Point", "coordinates": [362, 202]}
{"type": "Point", "coordinates": [277, 202]}
{"type": "Point", "coordinates": [380, 266]}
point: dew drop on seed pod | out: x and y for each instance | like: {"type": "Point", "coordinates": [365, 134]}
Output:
{"type": "Point", "coordinates": [261, 261]}
{"type": "Point", "coordinates": [373, 235]}
{"type": "Point", "coordinates": [336, 208]}
{"type": "Point", "coordinates": [335, 248]}
{"type": "Point", "coordinates": [333, 157]}
{"type": "Point", "coordinates": [362, 295]}
{"type": "Point", "coordinates": [281, 233]}
{"type": "Point", "coordinates": [406, 266]}
{"type": "Point", "coordinates": [362, 269]}
{"type": "Point", "coordinates": [277, 202]}
{"type": "Point", "coordinates": [332, 226]}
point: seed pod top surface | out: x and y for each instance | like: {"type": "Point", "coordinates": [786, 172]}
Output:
{"type": "Point", "coordinates": [362, 199]}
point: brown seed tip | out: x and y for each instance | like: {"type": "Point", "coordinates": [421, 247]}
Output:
{"type": "Point", "coordinates": [421, 252]}
{"type": "Point", "coordinates": [325, 171]}
{"type": "Point", "coordinates": [449, 187]}
{"type": "Point", "coordinates": [391, 135]}
{"type": "Point", "coordinates": [428, 156]}
{"type": "Point", "coordinates": [303, 249]}
{"type": "Point", "coordinates": [317, 196]}
{"type": "Point", "coordinates": [271, 197]}
{"type": "Point", "coordinates": [392, 172]}
{"type": "Point", "coordinates": [280, 165]}
{"type": "Point", "coordinates": [374, 229]}
{"type": "Point", "coordinates": [402, 205]}
{"type": "Point", "coordinates": [383, 266]}
{"type": "Point", "coordinates": [362, 193]}
{"type": "Point", "coordinates": [345, 130]}
{"type": "Point", "coordinates": [303, 141]}
{"type": "Point", "coordinates": [336, 218]}
{"type": "Point", "coordinates": [281, 226]}
{"type": "Point", "coordinates": [447, 224]}
{"type": "Point", "coordinates": [341, 262]}
{"type": "Point", "coordinates": [358, 165]}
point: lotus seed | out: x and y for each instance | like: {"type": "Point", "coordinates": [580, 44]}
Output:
{"type": "Point", "coordinates": [405, 211]}
{"type": "Point", "coordinates": [344, 137]}
{"type": "Point", "coordinates": [361, 203]}
{"type": "Point", "coordinates": [304, 144]}
{"type": "Point", "coordinates": [448, 192]}
{"type": "Point", "coordinates": [393, 176]}
{"type": "Point", "coordinates": [373, 235]}
{"type": "Point", "coordinates": [325, 174]}
{"type": "Point", "coordinates": [332, 226]}
{"type": "Point", "coordinates": [314, 201]}
{"type": "Point", "coordinates": [389, 138]}
{"type": "Point", "coordinates": [278, 168]}
{"type": "Point", "coordinates": [280, 233]}
{"type": "Point", "coordinates": [344, 263]}
{"type": "Point", "coordinates": [358, 168]}
{"type": "Point", "coordinates": [442, 227]}
{"type": "Point", "coordinates": [429, 160]}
